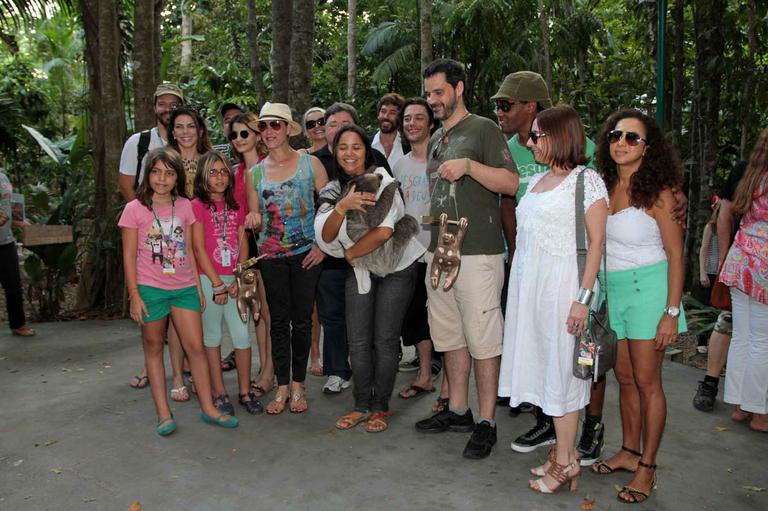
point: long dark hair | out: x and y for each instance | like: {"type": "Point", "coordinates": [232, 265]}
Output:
{"type": "Point", "coordinates": [204, 166]}
{"type": "Point", "coordinates": [172, 159]}
{"type": "Point", "coordinates": [660, 168]}
{"type": "Point", "coordinates": [370, 162]}
{"type": "Point", "coordinates": [203, 140]}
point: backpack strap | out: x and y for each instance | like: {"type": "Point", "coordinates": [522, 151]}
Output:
{"type": "Point", "coordinates": [141, 150]}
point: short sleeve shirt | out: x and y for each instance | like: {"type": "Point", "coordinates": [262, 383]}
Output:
{"type": "Point", "coordinates": [163, 243]}
{"type": "Point", "coordinates": [480, 140]}
{"type": "Point", "coordinates": [6, 192]}
{"type": "Point", "coordinates": [129, 155]}
{"type": "Point", "coordinates": [527, 166]}
{"type": "Point", "coordinates": [414, 184]}
{"type": "Point", "coordinates": [220, 230]}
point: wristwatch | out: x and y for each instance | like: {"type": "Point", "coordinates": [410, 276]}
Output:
{"type": "Point", "coordinates": [672, 311]}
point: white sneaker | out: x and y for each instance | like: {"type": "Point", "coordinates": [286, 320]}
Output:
{"type": "Point", "coordinates": [335, 385]}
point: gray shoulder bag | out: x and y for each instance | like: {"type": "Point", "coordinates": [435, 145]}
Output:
{"type": "Point", "coordinates": [594, 352]}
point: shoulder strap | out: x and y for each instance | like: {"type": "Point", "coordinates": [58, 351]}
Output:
{"type": "Point", "coordinates": [581, 239]}
{"type": "Point", "coordinates": [144, 138]}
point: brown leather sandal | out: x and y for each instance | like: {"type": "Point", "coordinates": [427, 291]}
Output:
{"type": "Point", "coordinates": [561, 474]}
{"type": "Point", "coordinates": [377, 422]}
{"type": "Point", "coordinates": [351, 420]}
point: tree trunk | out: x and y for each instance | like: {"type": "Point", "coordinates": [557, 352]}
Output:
{"type": "Point", "coordinates": [254, 57]}
{"type": "Point", "coordinates": [159, 6]}
{"type": "Point", "coordinates": [144, 78]}
{"type": "Point", "coordinates": [544, 27]}
{"type": "Point", "coordinates": [302, 52]}
{"type": "Point", "coordinates": [351, 48]}
{"type": "Point", "coordinates": [280, 59]}
{"type": "Point", "coordinates": [186, 42]}
{"type": "Point", "coordinates": [749, 82]}
{"type": "Point", "coordinates": [425, 34]}
{"type": "Point", "coordinates": [678, 70]}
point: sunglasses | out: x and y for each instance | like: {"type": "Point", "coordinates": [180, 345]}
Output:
{"type": "Point", "coordinates": [218, 172]}
{"type": "Point", "coordinates": [311, 124]}
{"type": "Point", "coordinates": [535, 136]}
{"type": "Point", "coordinates": [504, 105]}
{"type": "Point", "coordinates": [273, 125]}
{"type": "Point", "coordinates": [630, 137]}
{"type": "Point", "coordinates": [243, 134]}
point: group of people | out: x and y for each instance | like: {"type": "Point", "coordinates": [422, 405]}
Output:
{"type": "Point", "coordinates": [447, 230]}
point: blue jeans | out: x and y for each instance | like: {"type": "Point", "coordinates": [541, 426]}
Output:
{"type": "Point", "coordinates": [374, 321]}
{"type": "Point", "coordinates": [330, 308]}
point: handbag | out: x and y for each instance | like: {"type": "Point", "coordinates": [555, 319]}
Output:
{"type": "Point", "coordinates": [720, 297]}
{"type": "Point", "coordinates": [594, 352]}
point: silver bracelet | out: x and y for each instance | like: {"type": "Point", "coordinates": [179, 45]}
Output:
{"type": "Point", "coordinates": [584, 296]}
{"type": "Point", "coordinates": [220, 289]}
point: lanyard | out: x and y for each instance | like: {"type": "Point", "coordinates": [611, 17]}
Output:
{"type": "Point", "coordinates": [159, 225]}
{"type": "Point", "coordinates": [216, 219]}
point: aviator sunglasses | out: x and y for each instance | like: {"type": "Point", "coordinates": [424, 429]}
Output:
{"type": "Point", "coordinates": [243, 134]}
{"type": "Point", "coordinates": [311, 124]}
{"type": "Point", "coordinates": [274, 125]}
{"type": "Point", "coordinates": [630, 137]}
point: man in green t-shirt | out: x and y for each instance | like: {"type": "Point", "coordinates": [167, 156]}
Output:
{"type": "Point", "coordinates": [468, 166]}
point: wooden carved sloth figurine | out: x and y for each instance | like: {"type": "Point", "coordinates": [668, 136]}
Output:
{"type": "Point", "coordinates": [247, 292]}
{"type": "Point", "coordinates": [448, 252]}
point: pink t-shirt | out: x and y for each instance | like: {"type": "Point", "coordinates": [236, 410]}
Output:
{"type": "Point", "coordinates": [241, 195]}
{"type": "Point", "coordinates": [216, 244]}
{"type": "Point", "coordinates": [163, 246]}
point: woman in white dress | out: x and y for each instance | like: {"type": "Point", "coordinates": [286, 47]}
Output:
{"type": "Point", "coordinates": [546, 304]}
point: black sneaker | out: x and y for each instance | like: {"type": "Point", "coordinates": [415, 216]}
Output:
{"type": "Point", "coordinates": [481, 442]}
{"type": "Point", "coordinates": [543, 433]}
{"type": "Point", "coordinates": [591, 443]}
{"type": "Point", "coordinates": [704, 400]}
{"type": "Point", "coordinates": [447, 421]}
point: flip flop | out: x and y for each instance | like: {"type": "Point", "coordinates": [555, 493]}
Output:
{"type": "Point", "coordinates": [140, 382]}
{"type": "Point", "coordinates": [351, 420]}
{"type": "Point", "coordinates": [418, 391]}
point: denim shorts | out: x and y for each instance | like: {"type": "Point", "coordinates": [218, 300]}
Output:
{"type": "Point", "coordinates": [159, 301]}
{"type": "Point", "coordinates": [636, 301]}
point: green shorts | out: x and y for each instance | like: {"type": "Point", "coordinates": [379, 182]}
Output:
{"type": "Point", "coordinates": [159, 301]}
{"type": "Point", "coordinates": [636, 301]}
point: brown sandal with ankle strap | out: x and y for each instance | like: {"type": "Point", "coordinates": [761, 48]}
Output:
{"type": "Point", "coordinates": [603, 468]}
{"type": "Point", "coordinates": [633, 495]}
{"type": "Point", "coordinates": [561, 474]}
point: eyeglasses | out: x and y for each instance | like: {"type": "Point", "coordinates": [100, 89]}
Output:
{"type": "Point", "coordinates": [311, 124]}
{"type": "Point", "coordinates": [535, 136]}
{"type": "Point", "coordinates": [632, 138]}
{"type": "Point", "coordinates": [504, 105]}
{"type": "Point", "coordinates": [243, 134]}
{"type": "Point", "coordinates": [273, 125]}
{"type": "Point", "coordinates": [218, 172]}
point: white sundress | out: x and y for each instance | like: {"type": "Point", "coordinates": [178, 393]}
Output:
{"type": "Point", "coordinates": [537, 358]}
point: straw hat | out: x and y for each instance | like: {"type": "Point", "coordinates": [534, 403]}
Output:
{"type": "Point", "coordinates": [280, 112]}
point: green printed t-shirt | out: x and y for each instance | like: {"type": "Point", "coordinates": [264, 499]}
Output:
{"type": "Point", "coordinates": [480, 140]}
{"type": "Point", "coordinates": [528, 167]}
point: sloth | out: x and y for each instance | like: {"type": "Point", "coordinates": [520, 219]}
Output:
{"type": "Point", "coordinates": [384, 259]}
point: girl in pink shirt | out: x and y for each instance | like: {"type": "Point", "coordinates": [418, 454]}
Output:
{"type": "Point", "coordinates": [162, 281]}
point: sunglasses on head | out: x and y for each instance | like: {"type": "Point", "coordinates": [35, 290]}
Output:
{"type": "Point", "coordinates": [311, 124]}
{"type": "Point", "coordinates": [504, 105]}
{"type": "Point", "coordinates": [273, 125]}
{"type": "Point", "coordinates": [630, 137]}
{"type": "Point", "coordinates": [243, 134]}
{"type": "Point", "coordinates": [535, 136]}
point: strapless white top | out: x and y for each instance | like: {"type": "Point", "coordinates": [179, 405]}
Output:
{"type": "Point", "coordinates": [633, 240]}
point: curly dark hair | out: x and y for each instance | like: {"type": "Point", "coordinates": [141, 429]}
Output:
{"type": "Point", "coordinates": [660, 168]}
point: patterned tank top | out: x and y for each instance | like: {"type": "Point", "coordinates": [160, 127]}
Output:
{"type": "Point", "coordinates": [287, 211]}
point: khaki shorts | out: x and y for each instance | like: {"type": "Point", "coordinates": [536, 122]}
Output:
{"type": "Point", "coordinates": [469, 314]}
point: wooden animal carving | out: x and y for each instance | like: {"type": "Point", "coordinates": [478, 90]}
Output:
{"type": "Point", "coordinates": [247, 292]}
{"type": "Point", "coordinates": [448, 252]}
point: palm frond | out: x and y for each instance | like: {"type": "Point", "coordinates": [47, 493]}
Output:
{"type": "Point", "coordinates": [396, 61]}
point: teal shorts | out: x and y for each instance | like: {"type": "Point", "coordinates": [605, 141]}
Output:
{"type": "Point", "coordinates": [636, 301]}
{"type": "Point", "coordinates": [159, 301]}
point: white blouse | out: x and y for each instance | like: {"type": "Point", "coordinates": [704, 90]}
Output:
{"type": "Point", "coordinates": [633, 240]}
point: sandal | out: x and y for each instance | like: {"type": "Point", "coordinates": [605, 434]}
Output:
{"type": "Point", "coordinates": [351, 420]}
{"type": "Point", "coordinates": [377, 422]}
{"type": "Point", "coordinates": [277, 405]}
{"type": "Point", "coordinates": [440, 405]}
{"type": "Point", "coordinates": [561, 474]}
{"type": "Point", "coordinates": [603, 468]}
{"type": "Point", "coordinates": [138, 382]}
{"type": "Point", "coordinates": [740, 415]}
{"type": "Point", "coordinates": [166, 426]}
{"type": "Point", "coordinates": [223, 404]}
{"type": "Point", "coordinates": [251, 405]}
{"type": "Point", "coordinates": [298, 396]}
{"type": "Point", "coordinates": [316, 370]}
{"type": "Point", "coordinates": [180, 394]}
{"type": "Point", "coordinates": [633, 495]}
{"type": "Point", "coordinates": [228, 363]}
{"type": "Point", "coordinates": [540, 471]}
{"type": "Point", "coordinates": [414, 391]}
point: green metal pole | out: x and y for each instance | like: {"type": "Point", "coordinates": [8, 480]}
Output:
{"type": "Point", "coordinates": [661, 6]}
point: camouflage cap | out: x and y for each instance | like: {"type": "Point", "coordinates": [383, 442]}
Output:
{"type": "Point", "coordinates": [524, 86]}
{"type": "Point", "coordinates": [169, 88]}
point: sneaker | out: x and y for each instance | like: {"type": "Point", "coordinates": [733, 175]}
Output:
{"type": "Point", "coordinates": [704, 400]}
{"type": "Point", "coordinates": [447, 421]}
{"type": "Point", "coordinates": [481, 442]}
{"type": "Point", "coordinates": [591, 443]}
{"type": "Point", "coordinates": [407, 366]}
{"type": "Point", "coordinates": [335, 385]}
{"type": "Point", "coordinates": [543, 433]}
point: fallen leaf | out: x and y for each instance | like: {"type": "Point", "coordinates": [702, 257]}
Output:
{"type": "Point", "coordinates": [753, 489]}
{"type": "Point", "coordinates": [587, 504]}
{"type": "Point", "coordinates": [721, 428]}
{"type": "Point", "coordinates": [57, 470]}
{"type": "Point", "coordinates": [65, 370]}
{"type": "Point", "coordinates": [136, 506]}
{"type": "Point", "coordinates": [618, 488]}
{"type": "Point", "coordinates": [51, 441]}
{"type": "Point", "coordinates": [88, 500]}
{"type": "Point", "coordinates": [17, 463]}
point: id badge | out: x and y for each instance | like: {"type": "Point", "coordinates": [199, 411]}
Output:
{"type": "Point", "coordinates": [226, 258]}
{"type": "Point", "coordinates": [168, 268]}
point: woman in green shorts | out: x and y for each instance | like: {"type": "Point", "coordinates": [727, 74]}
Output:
{"type": "Point", "coordinates": [644, 284]}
